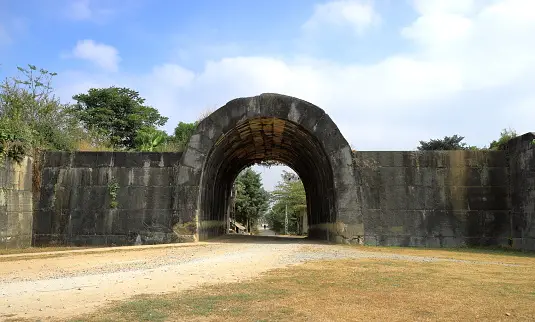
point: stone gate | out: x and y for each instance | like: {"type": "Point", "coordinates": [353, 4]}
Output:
{"type": "Point", "coordinates": [407, 198]}
{"type": "Point", "coordinates": [270, 127]}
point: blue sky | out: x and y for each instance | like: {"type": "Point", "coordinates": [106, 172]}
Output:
{"type": "Point", "coordinates": [389, 72]}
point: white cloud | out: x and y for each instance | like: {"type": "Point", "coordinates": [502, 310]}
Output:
{"type": "Point", "coordinates": [102, 55]}
{"type": "Point", "coordinates": [489, 45]}
{"type": "Point", "coordinates": [358, 15]}
{"type": "Point", "coordinates": [427, 7]}
{"type": "Point", "coordinates": [470, 74]}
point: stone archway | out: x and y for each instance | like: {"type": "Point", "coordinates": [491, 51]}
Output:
{"type": "Point", "coordinates": [268, 127]}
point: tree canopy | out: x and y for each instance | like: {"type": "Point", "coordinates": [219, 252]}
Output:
{"type": "Point", "coordinates": [289, 194]}
{"type": "Point", "coordinates": [447, 143]}
{"type": "Point", "coordinates": [32, 117]}
{"type": "Point", "coordinates": [102, 119]}
{"type": "Point", "coordinates": [455, 142]}
{"type": "Point", "coordinates": [118, 113]}
{"type": "Point", "coordinates": [505, 136]}
{"type": "Point", "coordinates": [251, 199]}
{"type": "Point", "coordinates": [183, 132]}
{"type": "Point", "coordinates": [148, 139]}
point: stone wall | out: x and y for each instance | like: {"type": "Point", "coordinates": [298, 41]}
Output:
{"type": "Point", "coordinates": [16, 204]}
{"type": "Point", "coordinates": [430, 199]}
{"type": "Point", "coordinates": [106, 198]}
{"type": "Point", "coordinates": [521, 157]}
{"type": "Point", "coordinates": [434, 199]}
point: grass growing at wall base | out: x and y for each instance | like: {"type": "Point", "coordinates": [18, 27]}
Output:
{"type": "Point", "coordinates": [350, 290]}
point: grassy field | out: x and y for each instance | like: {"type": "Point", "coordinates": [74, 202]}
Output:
{"type": "Point", "coordinates": [353, 290]}
{"type": "Point", "coordinates": [503, 255]}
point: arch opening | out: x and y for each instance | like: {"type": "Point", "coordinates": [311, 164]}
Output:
{"type": "Point", "coordinates": [247, 131]}
{"type": "Point", "coordinates": [265, 139]}
{"type": "Point", "coordinates": [268, 200]}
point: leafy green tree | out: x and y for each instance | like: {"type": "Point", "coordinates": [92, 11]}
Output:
{"type": "Point", "coordinates": [15, 139]}
{"type": "Point", "coordinates": [149, 139]}
{"type": "Point", "coordinates": [447, 143]}
{"type": "Point", "coordinates": [251, 199]}
{"type": "Point", "coordinates": [183, 132]}
{"type": "Point", "coordinates": [505, 136]}
{"type": "Point", "coordinates": [288, 195]}
{"type": "Point", "coordinates": [275, 218]}
{"type": "Point", "coordinates": [118, 113]}
{"type": "Point", "coordinates": [32, 117]}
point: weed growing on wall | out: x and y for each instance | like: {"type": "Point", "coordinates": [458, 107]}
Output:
{"type": "Point", "coordinates": [12, 144]}
{"type": "Point", "coordinates": [113, 188]}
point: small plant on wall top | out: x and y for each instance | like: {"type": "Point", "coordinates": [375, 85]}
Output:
{"type": "Point", "coordinates": [113, 188]}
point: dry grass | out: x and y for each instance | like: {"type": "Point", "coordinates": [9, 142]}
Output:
{"type": "Point", "coordinates": [475, 254]}
{"type": "Point", "coordinates": [205, 113]}
{"type": "Point", "coordinates": [88, 146]}
{"type": "Point", "coordinates": [351, 290]}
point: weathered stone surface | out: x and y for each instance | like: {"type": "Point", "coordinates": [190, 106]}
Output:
{"type": "Point", "coordinates": [269, 127]}
{"type": "Point", "coordinates": [106, 198]}
{"type": "Point", "coordinates": [521, 158]}
{"type": "Point", "coordinates": [16, 204]}
{"type": "Point", "coordinates": [434, 198]}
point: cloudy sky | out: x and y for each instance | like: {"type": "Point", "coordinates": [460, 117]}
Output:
{"type": "Point", "coordinates": [389, 72]}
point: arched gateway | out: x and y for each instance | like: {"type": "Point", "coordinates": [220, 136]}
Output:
{"type": "Point", "coordinates": [269, 127]}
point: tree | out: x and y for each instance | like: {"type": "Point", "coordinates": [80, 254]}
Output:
{"type": "Point", "coordinates": [289, 177]}
{"type": "Point", "coordinates": [149, 139]}
{"type": "Point", "coordinates": [505, 136]}
{"type": "Point", "coordinates": [270, 163]}
{"type": "Point", "coordinates": [32, 117]}
{"type": "Point", "coordinates": [288, 195]}
{"type": "Point", "coordinates": [183, 132]}
{"type": "Point", "coordinates": [251, 198]}
{"type": "Point", "coordinates": [118, 113]}
{"type": "Point", "coordinates": [447, 143]}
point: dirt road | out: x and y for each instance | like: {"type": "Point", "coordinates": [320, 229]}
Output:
{"type": "Point", "coordinates": [70, 283]}
{"type": "Point", "coordinates": [45, 285]}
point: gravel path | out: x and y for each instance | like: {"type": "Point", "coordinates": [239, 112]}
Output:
{"type": "Point", "coordinates": [78, 282]}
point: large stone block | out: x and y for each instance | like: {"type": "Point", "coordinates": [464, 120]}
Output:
{"type": "Point", "coordinates": [161, 177]}
{"type": "Point", "coordinates": [56, 159]}
{"type": "Point", "coordinates": [132, 197]}
{"type": "Point", "coordinates": [42, 221]}
{"type": "Point", "coordinates": [186, 176]}
{"type": "Point", "coordinates": [135, 221]}
{"type": "Point", "coordinates": [159, 219]}
{"type": "Point", "coordinates": [84, 159]}
{"type": "Point", "coordinates": [171, 159]}
{"type": "Point", "coordinates": [159, 197]}
{"type": "Point", "coordinates": [128, 160]}
{"type": "Point", "coordinates": [487, 198]}
{"type": "Point", "coordinates": [82, 222]}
